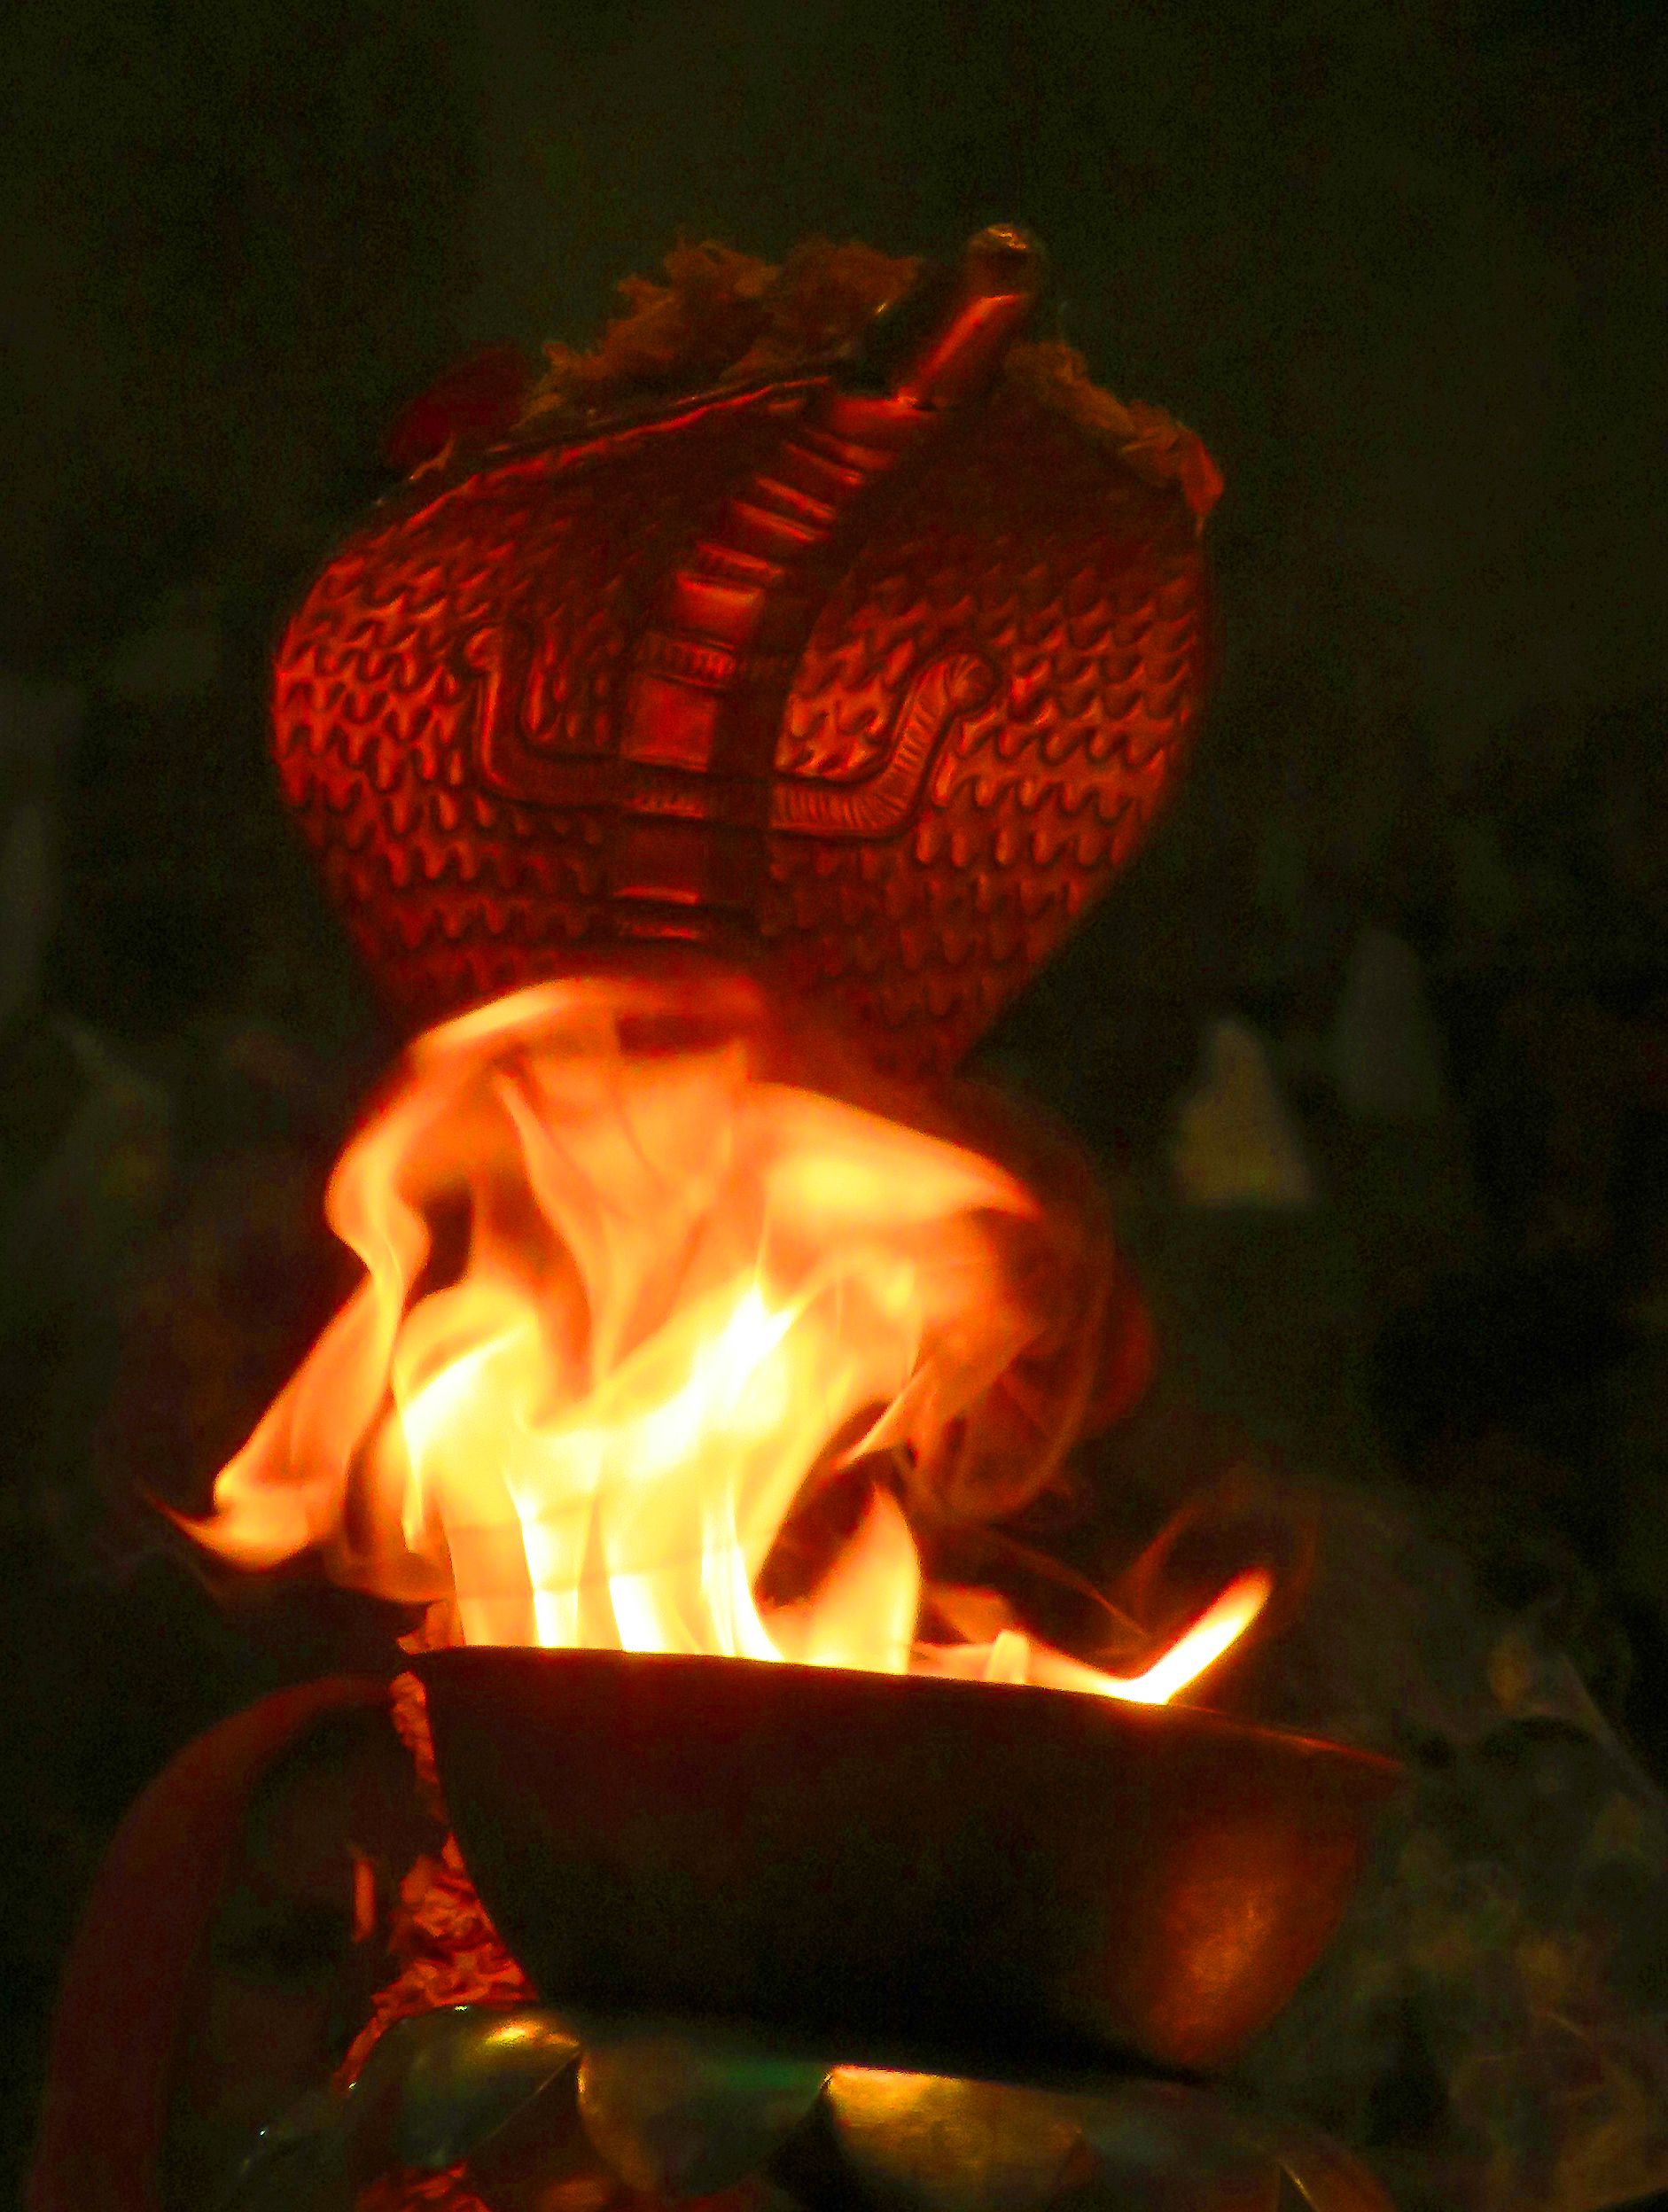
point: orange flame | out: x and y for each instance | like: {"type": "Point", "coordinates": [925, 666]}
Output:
{"type": "Point", "coordinates": [629, 1297]}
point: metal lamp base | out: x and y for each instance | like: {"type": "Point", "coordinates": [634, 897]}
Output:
{"type": "Point", "coordinates": [530, 2102]}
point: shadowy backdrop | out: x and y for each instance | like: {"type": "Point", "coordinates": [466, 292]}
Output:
{"type": "Point", "coordinates": [1373, 1043]}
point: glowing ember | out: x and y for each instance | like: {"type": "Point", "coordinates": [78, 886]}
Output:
{"type": "Point", "coordinates": [632, 1302]}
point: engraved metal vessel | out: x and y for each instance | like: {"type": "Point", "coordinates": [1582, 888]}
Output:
{"type": "Point", "coordinates": [883, 667]}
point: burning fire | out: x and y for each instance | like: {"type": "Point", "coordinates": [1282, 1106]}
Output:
{"type": "Point", "coordinates": [632, 1301]}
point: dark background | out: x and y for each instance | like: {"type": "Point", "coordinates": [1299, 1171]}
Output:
{"type": "Point", "coordinates": [1402, 264]}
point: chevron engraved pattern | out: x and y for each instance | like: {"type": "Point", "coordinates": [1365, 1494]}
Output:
{"type": "Point", "coordinates": [447, 700]}
{"type": "Point", "coordinates": [1065, 599]}
{"type": "Point", "coordinates": [1006, 653]}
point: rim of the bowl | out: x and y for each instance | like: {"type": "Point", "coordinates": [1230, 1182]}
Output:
{"type": "Point", "coordinates": [1154, 1723]}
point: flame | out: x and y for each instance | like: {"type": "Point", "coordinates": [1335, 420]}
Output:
{"type": "Point", "coordinates": [630, 1299]}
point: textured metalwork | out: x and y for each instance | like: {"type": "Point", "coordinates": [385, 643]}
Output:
{"type": "Point", "coordinates": [675, 2111]}
{"type": "Point", "coordinates": [904, 1871]}
{"type": "Point", "coordinates": [882, 669]}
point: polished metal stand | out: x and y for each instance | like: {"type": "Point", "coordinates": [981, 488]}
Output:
{"type": "Point", "coordinates": [528, 2100]}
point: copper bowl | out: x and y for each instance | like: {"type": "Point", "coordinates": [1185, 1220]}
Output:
{"type": "Point", "coordinates": [890, 1868]}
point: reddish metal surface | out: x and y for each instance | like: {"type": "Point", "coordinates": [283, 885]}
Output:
{"type": "Point", "coordinates": [910, 1871]}
{"type": "Point", "coordinates": [886, 671]}
{"type": "Point", "coordinates": [479, 398]}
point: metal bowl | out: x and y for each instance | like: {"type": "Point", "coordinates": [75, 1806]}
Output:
{"type": "Point", "coordinates": [896, 1867]}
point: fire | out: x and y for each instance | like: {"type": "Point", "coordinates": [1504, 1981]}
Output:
{"type": "Point", "coordinates": [632, 1299]}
